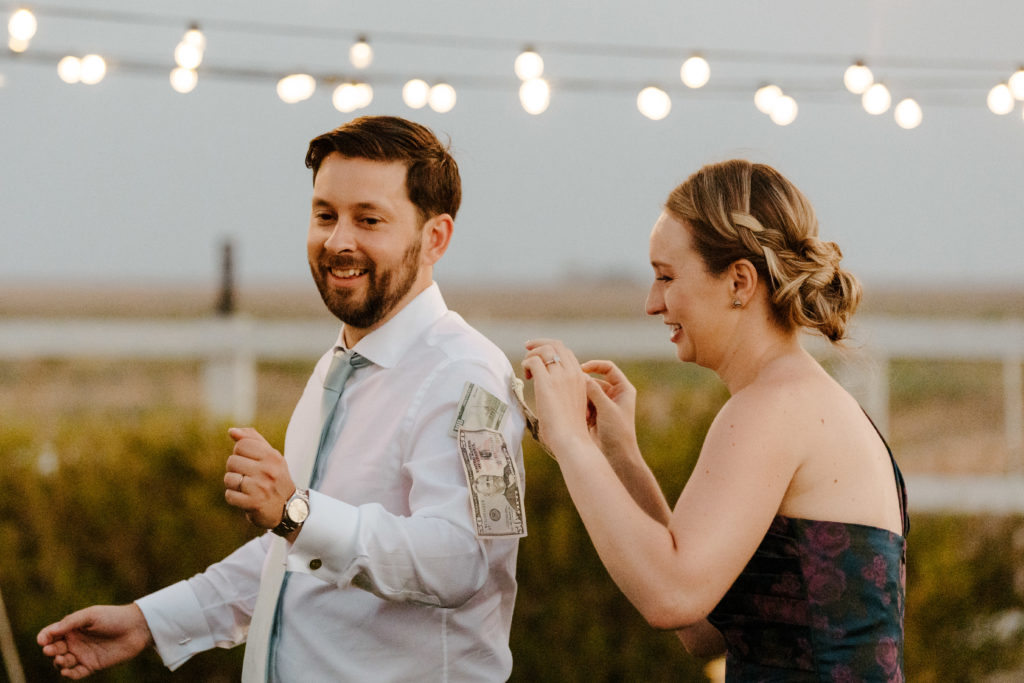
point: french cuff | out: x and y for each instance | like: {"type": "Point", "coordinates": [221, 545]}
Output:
{"type": "Point", "coordinates": [326, 545]}
{"type": "Point", "coordinates": [175, 618]}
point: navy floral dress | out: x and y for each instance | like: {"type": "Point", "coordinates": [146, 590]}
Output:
{"type": "Point", "coordinates": [819, 601]}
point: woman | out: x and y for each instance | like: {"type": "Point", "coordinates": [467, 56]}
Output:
{"type": "Point", "coordinates": [786, 547]}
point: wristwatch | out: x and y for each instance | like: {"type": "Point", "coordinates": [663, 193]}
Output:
{"type": "Point", "coordinates": [296, 510]}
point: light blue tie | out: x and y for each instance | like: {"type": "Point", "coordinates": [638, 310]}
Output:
{"type": "Point", "coordinates": [342, 366]}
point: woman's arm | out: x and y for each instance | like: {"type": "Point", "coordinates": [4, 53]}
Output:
{"type": "Point", "coordinates": [612, 423]}
{"type": "Point", "coordinates": [673, 574]}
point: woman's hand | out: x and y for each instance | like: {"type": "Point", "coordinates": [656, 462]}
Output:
{"type": "Point", "coordinates": [612, 418]}
{"type": "Point", "coordinates": [560, 392]}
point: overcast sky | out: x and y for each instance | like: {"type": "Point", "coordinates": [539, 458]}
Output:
{"type": "Point", "coordinates": [129, 181]}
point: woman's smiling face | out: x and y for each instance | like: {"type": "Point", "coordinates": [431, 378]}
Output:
{"type": "Point", "coordinates": [689, 299]}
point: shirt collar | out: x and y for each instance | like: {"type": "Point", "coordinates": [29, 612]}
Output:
{"type": "Point", "coordinates": [386, 345]}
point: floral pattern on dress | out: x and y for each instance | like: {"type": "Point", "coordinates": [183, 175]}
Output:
{"type": "Point", "coordinates": [818, 601]}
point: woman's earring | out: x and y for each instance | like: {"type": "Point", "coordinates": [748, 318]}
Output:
{"type": "Point", "coordinates": [736, 303]}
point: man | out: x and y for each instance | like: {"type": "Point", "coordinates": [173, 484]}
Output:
{"type": "Point", "coordinates": [389, 576]}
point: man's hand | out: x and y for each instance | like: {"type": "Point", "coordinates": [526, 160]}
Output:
{"type": "Point", "coordinates": [95, 638]}
{"type": "Point", "coordinates": [257, 478]}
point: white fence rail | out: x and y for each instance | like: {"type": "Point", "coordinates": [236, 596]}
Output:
{"type": "Point", "coordinates": [231, 347]}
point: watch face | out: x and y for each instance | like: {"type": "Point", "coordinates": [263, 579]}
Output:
{"type": "Point", "coordinates": [298, 510]}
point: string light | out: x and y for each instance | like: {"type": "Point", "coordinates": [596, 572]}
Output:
{"type": "Point", "coordinates": [441, 98]}
{"type": "Point", "coordinates": [22, 25]}
{"type": "Point", "coordinates": [695, 72]}
{"type": "Point", "coordinates": [1016, 83]}
{"type": "Point", "coordinates": [535, 95]}
{"type": "Point", "coordinates": [876, 99]}
{"type": "Point", "coordinates": [94, 68]}
{"type": "Point", "coordinates": [858, 78]}
{"type": "Point", "coordinates": [345, 98]}
{"type": "Point", "coordinates": [766, 97]}
{"type": "Point", "coordinates": [654, 103]}
{"type": "Point", "coordinates": [415, 93]}
{"type": "Point", "coordinates": [188, 54]}
{"type": "Point", "coordinates": [528, 65]}
{"type": "Point", "coordinates": [69, 69]}
{"type": "Point", "coordinates": [908, 114]}
{"type": "Point", "coordinates": [296, 88]}
{"type": "Point", "coordinates": [360, 54]}
{"type": "Point", "coordinates": [784, 111]}
{"type": "Point", "coordinates": [1000, 99]}
{"type": "Point", "coordinates": [193, 36]}
{"type": "Point", "coordinates": [184, 80]}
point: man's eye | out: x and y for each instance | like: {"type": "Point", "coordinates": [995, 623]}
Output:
{"type": "Point", "coordinates": [369, 220]}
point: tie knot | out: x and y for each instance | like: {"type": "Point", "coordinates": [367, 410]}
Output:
{"type": "Point", "coordinates": [342, 365]}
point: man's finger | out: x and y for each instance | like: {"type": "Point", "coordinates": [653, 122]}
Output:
{"type": "Point", "coordinates": [239, 433]}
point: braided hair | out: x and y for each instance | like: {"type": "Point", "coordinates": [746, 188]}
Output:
{"type": "Point", "coordinates": [740, 210]}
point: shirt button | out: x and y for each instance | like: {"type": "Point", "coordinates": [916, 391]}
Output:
{"type": "Point", "coordinates": [316, 564]}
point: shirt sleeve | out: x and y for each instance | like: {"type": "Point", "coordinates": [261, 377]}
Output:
{"type": "Point", "coordinates": [212, 609]}
{"type": "Point", "coordinates": [432, 556]}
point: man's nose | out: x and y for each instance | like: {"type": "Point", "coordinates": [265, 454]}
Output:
{"type": "Point", "coordinates": [341, 239]}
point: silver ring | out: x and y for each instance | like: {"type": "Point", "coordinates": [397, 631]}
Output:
{"type": "Point", "coordinates": [553, 360]}
{"type": "Point", "coordinates": [240, 482]}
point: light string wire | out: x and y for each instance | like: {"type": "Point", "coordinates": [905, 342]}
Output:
{"type": "Point", "coordinates": [963, 81]}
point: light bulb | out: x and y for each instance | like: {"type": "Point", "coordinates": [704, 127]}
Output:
{"type": "Point", "coordinates": [1000, 99]}
{"type": "Point", "coordinates": [184, 80]}
{"type": "Point", "coordinates": [529, 65]}
{"type": "Point", "coordinates": [364, 95]}
{"type": "Point", "coordinates": [94, 68]}
{"type": "Point", "coordinates": [70, 69]}
{"type": "Point", "coordinates": [876, 99]}
{"type": "Point", "coordinates": [22, 25]}
{"type": "Point", "coordinates": [442, 98]}
{"type": "Point", "coordinates": [1016, 84]}
{"type": "Point", "coordinates": [415, 93]}
{"type": "Point", "coordinates": [695, 72]}
{"type": "Point", "coordinates": [766, 97]}
{"type": "Point", "coordinates": [908, 114]}
{"type": "Point", "coordinates": [346, 98]}
{"type": "Point", "coordinates": [188, 55]}
{"type": "Point", "coordinates": [360, 54]}
{"type": "Point", "coordinates": [193, 36]}
{"type": "Point", "coordinates": [296, 88]}
{"type": "Point", "coordinates": [654, 103]}
{"type": "Point", "coordinates": [535, 95]}
{"type": "Point", "coordinates": [858, 78]}
{"type": "Point", "coordinates": [785, 110]}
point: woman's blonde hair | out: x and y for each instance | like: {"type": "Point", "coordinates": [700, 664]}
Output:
{"type": "Point", "coordinates": [740, 210]}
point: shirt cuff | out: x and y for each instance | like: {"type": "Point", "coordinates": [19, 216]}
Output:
{"type": "Point", "coordinates": [326, 545]}
{"type": "Point", "coordinates": [175, 618]}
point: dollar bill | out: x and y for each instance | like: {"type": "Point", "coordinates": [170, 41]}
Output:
{"type": "Point", "coordinates": [532, 425]}
{"type": "Point", "coordinates": [495, 491]}
{"type": "Point", "coordinates": [478, 409]}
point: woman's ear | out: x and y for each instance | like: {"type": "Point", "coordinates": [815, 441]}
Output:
{"type": "Point", "coordinates": [742, 278]}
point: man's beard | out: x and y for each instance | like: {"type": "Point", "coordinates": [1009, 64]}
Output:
{"type": "Point", "coordinates": [385, 288]}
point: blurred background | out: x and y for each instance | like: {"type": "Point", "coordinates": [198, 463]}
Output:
{"type": "Point", "coordinates": [154, 288]}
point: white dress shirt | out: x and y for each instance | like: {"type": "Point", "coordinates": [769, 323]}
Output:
{"type": "Point", "coordinates": [390, 581]}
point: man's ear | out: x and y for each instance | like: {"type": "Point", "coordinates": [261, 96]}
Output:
{"type": "Point", "coordinates": [742, 277]}
{"type": "Point", "coordinates": [436, 235]}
